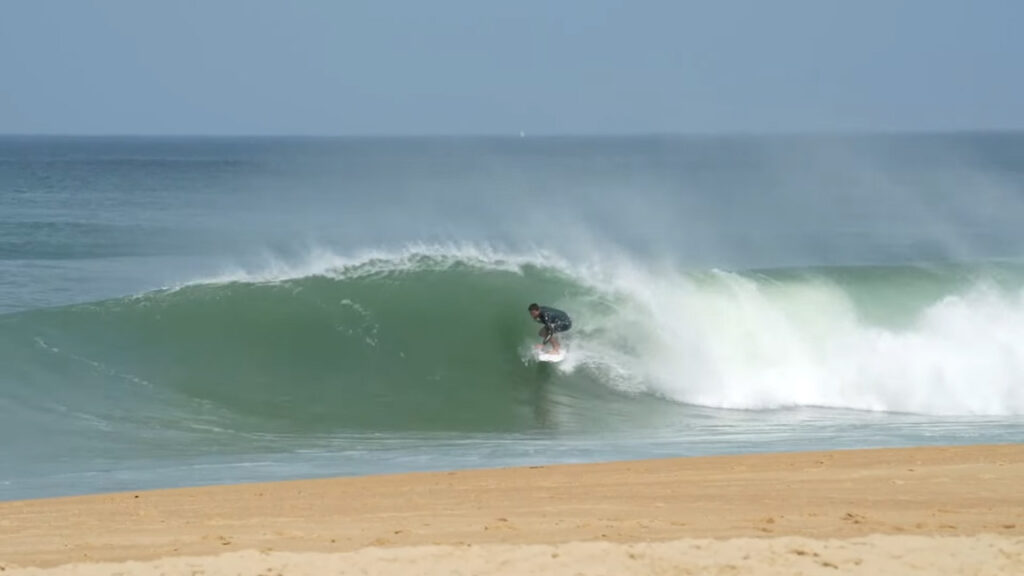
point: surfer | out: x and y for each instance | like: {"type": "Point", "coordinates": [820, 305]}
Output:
{"type": "Point", "coordinates": [554, 321]}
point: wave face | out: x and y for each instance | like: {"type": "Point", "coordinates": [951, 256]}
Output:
{"type": "Point", "coordinates": [437, 338]}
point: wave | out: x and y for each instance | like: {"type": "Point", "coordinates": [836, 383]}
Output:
{"type": "Point", "coordinates": [436, 338]}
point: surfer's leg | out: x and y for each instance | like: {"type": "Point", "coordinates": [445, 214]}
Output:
{"type": "Point", "coordinates": [553, 337]}
{"type": "Point", "coordinates": [546, 334]}
{"type": "Point", "coordinates": [555, 329]}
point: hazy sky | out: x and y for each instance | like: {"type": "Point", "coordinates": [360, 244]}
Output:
{"type": "Point", "coordinates": [490, 67]}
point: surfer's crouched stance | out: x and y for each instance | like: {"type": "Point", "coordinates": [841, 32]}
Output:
{"type": "Point", "coordinates": [554, 321]}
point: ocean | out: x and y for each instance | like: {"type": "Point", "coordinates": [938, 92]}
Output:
{"type": "Point", "coordinates": [188, 311]}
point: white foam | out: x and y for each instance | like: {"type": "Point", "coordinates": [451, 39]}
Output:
{"type": "Point", "coordinates": [731, 342]}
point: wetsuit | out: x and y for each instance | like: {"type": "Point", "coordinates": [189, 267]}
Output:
{"type": "Point", "coordinates": [554, 321]}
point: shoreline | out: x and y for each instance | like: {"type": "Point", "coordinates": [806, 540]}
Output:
{"type": "Point", "coordinates": [970, 491]}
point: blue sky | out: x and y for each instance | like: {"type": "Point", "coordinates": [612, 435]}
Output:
{"type": "Point", "coordinates": [480, 67]}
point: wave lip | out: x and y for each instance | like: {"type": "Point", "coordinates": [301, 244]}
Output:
{"type": "Point", "coordinates": [409, 258]}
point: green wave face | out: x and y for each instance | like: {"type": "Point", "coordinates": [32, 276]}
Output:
{"type": "Point", "coordinates": [415, 349]}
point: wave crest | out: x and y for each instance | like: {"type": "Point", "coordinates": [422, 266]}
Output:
{"type": "Point", "coordinates": [433, 337]}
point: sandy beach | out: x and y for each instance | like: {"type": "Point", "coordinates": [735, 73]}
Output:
{"type": "Point", "coordinates": [948, 510]}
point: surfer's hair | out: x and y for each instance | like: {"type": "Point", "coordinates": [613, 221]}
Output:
{"type": "Point", "coordinates": [533, 307]}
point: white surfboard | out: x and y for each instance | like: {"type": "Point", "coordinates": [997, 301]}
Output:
{"type": "Point", "coordinates": [548, 356]}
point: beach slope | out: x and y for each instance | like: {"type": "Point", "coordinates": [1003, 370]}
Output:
{"type": "Point", "coordinates": [913, 510]}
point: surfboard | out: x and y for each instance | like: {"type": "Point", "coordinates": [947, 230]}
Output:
{"type": "Point", "coordinates": [547, 356]}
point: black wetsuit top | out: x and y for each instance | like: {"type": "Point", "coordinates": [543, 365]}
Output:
{"type": "Point", "coordinates": [554, 319]}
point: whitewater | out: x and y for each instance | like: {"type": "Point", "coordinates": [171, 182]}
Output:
{"type": "Point", "coordinates": [177, 312]}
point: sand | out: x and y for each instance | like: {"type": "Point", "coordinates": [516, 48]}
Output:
{"type": "Point", "coordinates": [939, 510]}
